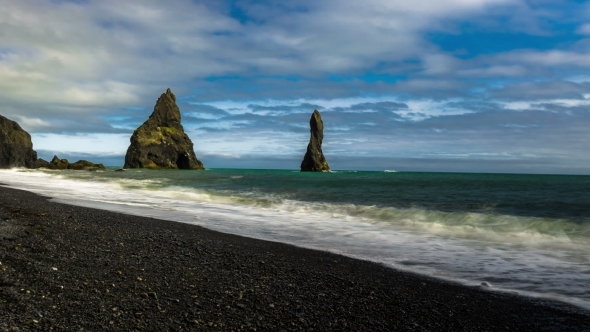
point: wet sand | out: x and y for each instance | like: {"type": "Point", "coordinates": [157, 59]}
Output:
{"type": "Point", "coordinates": [68, 268]}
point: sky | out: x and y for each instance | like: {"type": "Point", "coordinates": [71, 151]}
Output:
{"type": "Point", "coordinates": [408, 85]}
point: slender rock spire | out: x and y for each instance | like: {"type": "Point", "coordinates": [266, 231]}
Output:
{"type": "Point", "coordinates": [314, 160]}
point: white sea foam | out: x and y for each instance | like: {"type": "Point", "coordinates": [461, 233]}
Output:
{"type": "Point", "coordinates": [534, 256]}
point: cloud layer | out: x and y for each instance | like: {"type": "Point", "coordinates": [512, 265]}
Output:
{"type": "Point", "coordinates": [462, 82]}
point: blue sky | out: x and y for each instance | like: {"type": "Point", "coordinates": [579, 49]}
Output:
{"type": "Point", "coordinates": [420, 85]}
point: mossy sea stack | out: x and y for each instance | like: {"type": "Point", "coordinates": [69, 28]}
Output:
{"type": "Point", "coordinates": [16, 147]}
{"type": "Point", "coordinates": [160, 142]}
{"type": "Point", "coordinates": [314, 160]}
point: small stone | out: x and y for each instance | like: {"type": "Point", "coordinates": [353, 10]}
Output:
{"type": "Point", "coordinates": [54, 268]}
{"type": "Point", "coordinates": [144, 295]}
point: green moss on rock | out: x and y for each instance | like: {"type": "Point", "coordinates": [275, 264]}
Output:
{"type": "Point", "coordinates": [168, 130]}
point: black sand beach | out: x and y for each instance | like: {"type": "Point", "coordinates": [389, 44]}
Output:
{"type": "Point", "coordinates": [67, 268]}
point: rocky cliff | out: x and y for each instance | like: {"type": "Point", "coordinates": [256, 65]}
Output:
{"type": "Point", "coordinates": [16, 148]}
{"type": "Point", "coordinates": [314, 160]}
{"type": "Point", "coordinates": [160, 142]}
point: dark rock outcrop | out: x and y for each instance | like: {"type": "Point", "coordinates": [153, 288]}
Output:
{"type": "Point", "coordinates": [16, 147]}
{"type": "Point", "coordinates": [160, 142]}
{"type": "Point", "coordinates": [85, 165]}
{"type": "Point", "coordinates": [314, 160]}
{"type": "Point", "coordinates": [42, 163]}
{"type": "Point", "coordinates": [57, 163]}
{"type": "Point", "coordinates": [63, 164]}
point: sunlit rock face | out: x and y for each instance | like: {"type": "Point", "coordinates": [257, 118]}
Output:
{"type": "Point", "coordinates": [16, 147]}
{"type": "Point", "coordinates": [314, 160]}
{"type": "Point", "coordinates": [160, 142]}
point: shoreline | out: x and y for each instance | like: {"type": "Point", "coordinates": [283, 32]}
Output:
{"type": "Point", "coordinates": [584, 307]}
{"type": "Point", "coordinates": [67, 267]}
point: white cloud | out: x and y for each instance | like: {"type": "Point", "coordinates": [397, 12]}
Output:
{"type": "Point", "coordinates": [93, 143]}
{"type": "Point", "coordinates": [110, 52]}
{"type": "Point", "coordinates": [435, 64]}
{"type": "Point", "coordinates": [584, 29]}
{"type": "Point", "coordinates": [98, 53]}
{"type": "Point", "coordinates": [492, 71]}
{"type": "Point", "coordinates": [538, 104]}
{"type": "Point", "coordinates": [32, 124]}
{"type": "Point", "coordinates": [578, 78]}
{"type": "Point", "coordinates": [550, 58]}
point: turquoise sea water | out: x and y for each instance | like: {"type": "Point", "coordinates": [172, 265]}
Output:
{"type": "Point", "coordinates": [524, 233]}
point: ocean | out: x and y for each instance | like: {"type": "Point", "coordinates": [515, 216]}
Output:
{"type": "Point", "coordinates": [526, 234]}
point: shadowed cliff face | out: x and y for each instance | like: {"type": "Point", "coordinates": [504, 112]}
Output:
{"type": "Point", "coordinates": [16, 148]}
{"type": "Point", "coordinates": [160, 142]}
{"type": "Point", "coordinates": [314, 160]}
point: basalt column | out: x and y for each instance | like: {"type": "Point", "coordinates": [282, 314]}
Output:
{"type": "Point", "coordinates": [314, 160]}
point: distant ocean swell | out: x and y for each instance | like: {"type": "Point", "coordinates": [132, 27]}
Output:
{"type": "Point", "coordinates": [546, 256]}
